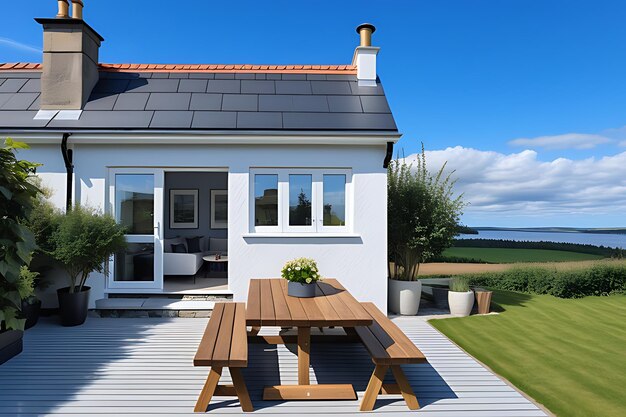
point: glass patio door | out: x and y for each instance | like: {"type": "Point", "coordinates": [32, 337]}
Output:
{"type": "Point", "coordinates": [136, 201]}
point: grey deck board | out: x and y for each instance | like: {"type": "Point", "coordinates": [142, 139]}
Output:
{"type": "Point", "coordinates": [142, 367]}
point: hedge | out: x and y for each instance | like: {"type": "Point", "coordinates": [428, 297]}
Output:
{"type": "Point", "coordinates": [576, 283]}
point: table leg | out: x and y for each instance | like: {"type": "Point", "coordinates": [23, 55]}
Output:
{"type": "Point", "coordinates": [304, 355]}
{"type": "Point", "coordinates": [304, 390]}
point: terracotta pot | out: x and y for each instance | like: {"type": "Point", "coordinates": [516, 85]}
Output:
{"type": "Point", "coordinates": [483, 300]}
{"type": "Point", "coordinates": [73, 306]}
{"type": "Point", "coordinates": [297, 289]}
{"type": "Point", "coordinates": [461, 303]}
{"type": "Point", "coordinates": [404, 296]}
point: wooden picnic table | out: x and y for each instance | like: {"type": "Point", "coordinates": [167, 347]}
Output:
{"type": "Point", "coordinates": [269, 305]}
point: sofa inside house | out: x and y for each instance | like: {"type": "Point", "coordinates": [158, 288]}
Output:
{"type": "Point", "coordinates": [183, 256]}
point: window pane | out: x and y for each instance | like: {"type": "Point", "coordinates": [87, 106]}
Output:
{"type": "Point", "coordinates": [266, 200]}
{"type": "Point", "coordinates": [134, 197]}
{"type": "Point", "coordinates": [334, 200]}
{"type": "Point", "coordinates": [135, 263]}
{"type": "Point", "coordinates": [300, 192]}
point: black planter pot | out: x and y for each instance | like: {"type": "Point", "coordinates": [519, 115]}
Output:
{"type": "Point", "coordinates": [31, 310]}
{"type": "Point", "coordinates": [10, 344]}
{"type": "Point", "coordinates": [440, 296]}
{"type": "Point", "coordinates": [73, 306]}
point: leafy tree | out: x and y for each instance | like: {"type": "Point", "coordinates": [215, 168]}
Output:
{"type": "Point", "coordinates": [83, 240]}
{"type": "Point", "coordinates": [422, 215]}
{"type": "Point", "coordinates": [17, 195]}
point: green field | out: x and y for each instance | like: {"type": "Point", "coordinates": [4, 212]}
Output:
{"type": "Point", "coordinates": [506, 255]}
{"type": "Point", "coordinates": [568, 354]}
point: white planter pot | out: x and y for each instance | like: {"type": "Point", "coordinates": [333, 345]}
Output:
{"type": "Point", "coordinates": [404, 297]}
{"type": "Point", "coordinates": [461, 303]}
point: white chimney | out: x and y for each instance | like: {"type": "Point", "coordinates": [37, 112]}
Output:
{"type": "Point", "coordinates": [365, 56]}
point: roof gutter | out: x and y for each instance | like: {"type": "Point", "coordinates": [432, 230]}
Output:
{"type": "Point", "coordinates": [186, 137]}
{"type": "Point", "coordinates": [68, 156]}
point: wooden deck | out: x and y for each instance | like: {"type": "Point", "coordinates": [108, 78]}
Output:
{"type": "Point", "coordinates": [144, 367]}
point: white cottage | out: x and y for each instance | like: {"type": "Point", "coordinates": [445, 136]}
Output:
{"type": "Point", "coordinates": [257, 163]}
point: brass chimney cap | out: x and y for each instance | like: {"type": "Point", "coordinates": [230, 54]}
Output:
{"type": "Point", "coordinates": [365, 26]}
{"type": "Point", "coordinates": [64, 9]}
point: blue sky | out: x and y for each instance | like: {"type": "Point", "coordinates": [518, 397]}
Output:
{"type": "Point", "coordinates": [501, 77]}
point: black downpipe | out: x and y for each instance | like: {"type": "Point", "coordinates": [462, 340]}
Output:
{"type": "Point", "coordinates": [68, 157]}
{"type": "Point", "coordinates": [388, 155]}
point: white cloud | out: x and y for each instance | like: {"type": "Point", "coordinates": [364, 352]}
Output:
{"type": "Point", "coordinates": [518, 185]}
{"type": "Point", "coordinates": [566, 141]}
{"type": "Point", "coordinates": [19, 45]}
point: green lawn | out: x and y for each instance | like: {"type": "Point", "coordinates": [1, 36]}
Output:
{"type": "Point", "coordinates": [506, 255]}
{"type": "Point", "coordinates": [568, 354]}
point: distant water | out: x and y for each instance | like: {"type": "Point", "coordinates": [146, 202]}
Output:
{"type": "Point", "coordinates": [596, 239]}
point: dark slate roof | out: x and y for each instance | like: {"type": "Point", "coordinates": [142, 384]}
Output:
{"type": "Point", "coordinates": [207, 101]}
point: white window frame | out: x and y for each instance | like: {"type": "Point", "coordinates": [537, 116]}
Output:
{"type": "Point", "coordinates": [317, 206]}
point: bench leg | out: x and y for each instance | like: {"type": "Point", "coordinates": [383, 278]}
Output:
{"type": "Point", "coordinates": [208, 390]}
{"type": "Point", "coordinates": [373, 387]}
{"type": "Point", "coordinates": [405, 388]}
{"type": "Point", "coordinates": [241, 389]}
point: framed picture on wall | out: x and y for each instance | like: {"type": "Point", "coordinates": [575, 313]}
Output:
{"type": "Point", "coordinates": [219, 209]}
{"type": "Point", "coordinates": [183, 209]}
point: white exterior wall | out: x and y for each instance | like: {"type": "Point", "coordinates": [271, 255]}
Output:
{"type": "Point", "coordinates": [359, 261]}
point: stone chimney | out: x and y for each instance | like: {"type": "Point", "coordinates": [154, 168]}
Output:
{"type": "Point", "coordinates": [365, 56]}
{"type": "Point", "coordinates": [70, 59]}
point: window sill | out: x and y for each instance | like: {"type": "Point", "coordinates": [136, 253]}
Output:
{"type": "Point", "coordinates": [302, 235]}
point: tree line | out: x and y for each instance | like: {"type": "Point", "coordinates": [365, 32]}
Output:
{"type": "Point", "coordinates": [605, 251]}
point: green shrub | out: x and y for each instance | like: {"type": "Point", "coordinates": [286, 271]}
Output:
{"type": "Point", "coordinates": [83, 241]}
{"type": "Point", "coordinates": [17, 242]}
{"type": "Point", "coordinates": [43, 218]}
{"type": "Point", "coordinates": [457, 260]}
{"type": "Point", "coordinates": [423, 214]}
{"type": "Point", "coordinates": [26, 283]}
{"type": "Point", "coordinates": [460, 284]}
{"type": "Point", "coordinates": [596, 280]}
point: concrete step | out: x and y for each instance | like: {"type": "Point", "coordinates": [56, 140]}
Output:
{"type": "Point", "coordinates": [152, 304]}
{"type": "Point", "coordinates": [157, 306]}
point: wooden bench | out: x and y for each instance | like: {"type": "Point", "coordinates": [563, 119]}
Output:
{"type": "Point", "coordinates": [389, 348]}
{"type": "Point", "coordinates": [224, 344]}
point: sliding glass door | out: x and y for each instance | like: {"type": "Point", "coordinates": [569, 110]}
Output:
{"type": "Point", "coordinates": [136, 202]}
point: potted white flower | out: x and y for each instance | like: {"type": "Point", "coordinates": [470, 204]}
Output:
{"type": "Point", "coordinates": [460, 297]}
{"type": "Point", "coordinates": [302, 274]}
